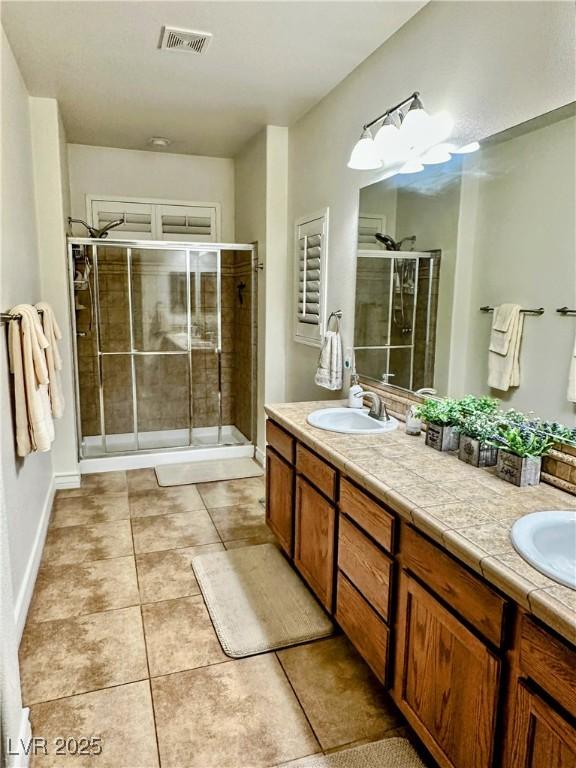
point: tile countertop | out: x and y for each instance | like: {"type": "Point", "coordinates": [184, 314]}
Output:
{"type": "Point", "coordinates": [469, 511]}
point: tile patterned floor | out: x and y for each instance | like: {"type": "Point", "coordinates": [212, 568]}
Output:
{"type": "Point", "coordinates": [119, 644]}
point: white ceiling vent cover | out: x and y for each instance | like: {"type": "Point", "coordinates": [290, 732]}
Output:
{"type": "Point", "coordinates": [174, 39]}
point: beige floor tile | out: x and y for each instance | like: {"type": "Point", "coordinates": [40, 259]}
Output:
{"type": "Point", "coordinates": [88, 510]}
{"type": "Point", "coordinates": [240, 522]}
{"type": "Point", "coordinates": [233, 715]}
{"type": "Point", "coordinates": [184, 529]}
{"type": "Point", "coordinates": [121, 718]}
{"type": "Point", "coordinates": [232, 492]}
{"type": "Point", "coordinates": [342, 699]}
{"type": "Point", "coordinates": [69, 656]}
{"type": "Point", "coordinates": [82, 543]}
{"type": "Point", "coordinates": [95, 484]}
{"type": "Point", "coordinates": [168, 574]}
{"type": "Point", "coordinates": [64, 591]}
{"type": "Point", "coordinates": [164, 501]}
{"type": "Point", "coordinates": [179, 636]}
{"type": "Point", "coordinates": [141, 480]}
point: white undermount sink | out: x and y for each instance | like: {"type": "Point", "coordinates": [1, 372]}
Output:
{"type": "Point", "coordinates": [547, 540]}
{"type": "Point", "coordinates": [350, 421]}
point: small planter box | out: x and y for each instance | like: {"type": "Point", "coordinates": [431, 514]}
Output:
{"type": "Point", "coordinates": [442, 438]}
{"type": "Point", "coordinates": [476, 453]}
{"type": "Point", "coordinates": [518, 470]}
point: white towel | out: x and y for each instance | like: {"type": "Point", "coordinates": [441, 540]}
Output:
{"type": "Point", "coordinates": [504, 349]}
{"type": "Point", "coordinates": [53, 359]}
{"type": "Point", "coordinates": [572, 377]}
{"type": "Point", "coordinates": [27, 342]}
{"type": "Point", "coordinates": [329, 373]}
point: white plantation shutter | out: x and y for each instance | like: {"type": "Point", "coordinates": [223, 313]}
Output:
{"type": "Point", "coordinates": [311, 248]}
{"type": "Point", "coordinates": [179, 222]}
{"type": "Point", "coordinates": [138, 219]}
{"type": "Point", "coordinates": [368, 225]}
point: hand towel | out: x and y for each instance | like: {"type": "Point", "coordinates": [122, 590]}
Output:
{"type": "Point", "coordinates": [572, 377]}
{"type": "Point", "coordinates": [26, 344]}
{"type": "Point", "coordinates": [53, 359]}
{"type": "Point", "coordinates": [329, 373]}
{"type": "Point", "coordinates": [504, 349]}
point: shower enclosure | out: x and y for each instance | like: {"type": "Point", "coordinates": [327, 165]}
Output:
{"type": "Point", "coordinates": [165, 345]}
{"type": "Point", "coordinates": [395, 322]}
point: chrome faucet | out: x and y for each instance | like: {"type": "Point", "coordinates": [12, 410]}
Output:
{"type": "Point", "coordinates": [378, 408]}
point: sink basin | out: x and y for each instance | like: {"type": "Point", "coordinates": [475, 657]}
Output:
{"type": "Point", "coordinates": [350, 421]}
{"type": "Point", "coordinates": [547, 540]}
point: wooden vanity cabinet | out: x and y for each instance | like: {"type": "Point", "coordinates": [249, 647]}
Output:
{"type": "Point", "coordinates": [314, 540]}
{"type": "Point", "coordinates": [280, 500]}
{"type": "Point", "coordinates": [446, 680]}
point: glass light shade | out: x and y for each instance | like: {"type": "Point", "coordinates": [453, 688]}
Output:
{"type": "Point", "coordinates": [412, 166]}
{"type": "Point", "coordinates": [467, 149]}
{"type": "Point", "coordinates": [364, 156]}
{"type": "Point", "coordinates": [416, 124]}
{"type": "Point", "coordinates": [438, 154]}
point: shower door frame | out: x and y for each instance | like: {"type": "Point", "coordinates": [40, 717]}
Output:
{"type": "Point", "coordinates": [155, 245]}
{"type": "Point", "coordinates": [392, 257]}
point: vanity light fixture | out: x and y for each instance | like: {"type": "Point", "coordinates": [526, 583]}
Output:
{"type": "Point", "coordinates": [406, 139]}
{"type": "Point", "coordinates": [364, 156]}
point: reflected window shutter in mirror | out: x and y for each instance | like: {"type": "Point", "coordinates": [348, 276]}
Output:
{"type": "Point", "coordinates": [311, 249]}
{"type": "Point", "coordinates": [368, 225]}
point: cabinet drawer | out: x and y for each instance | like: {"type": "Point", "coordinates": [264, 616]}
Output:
{"type": "Point", "coordinates": [468, 596]}
{"type": "Point", "coordinates": [365, 565]}
{"type": "Point", "coordinates": [316, 470]}
{"type": "Point", "coordinates": [550, 662]}
{"type": "Point", "coordinates": [282, 441]}
{"type": "Point", "coordinates": [367, 513]}
{"type": "Point", "coordinates": [364, 628]}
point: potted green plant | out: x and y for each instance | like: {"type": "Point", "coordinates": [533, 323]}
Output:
{"type": "Point", "coordinates": [442, 418]}
{"type": "Point", "coordinates": [520, 453]}
{"type": "Point", "coordinates": [477, 430]}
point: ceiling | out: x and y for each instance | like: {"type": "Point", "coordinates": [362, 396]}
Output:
{"type": "Point", "coordinates": [269, 63]}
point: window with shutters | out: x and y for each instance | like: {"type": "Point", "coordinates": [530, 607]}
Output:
{"type": "Point", "coordinates": [156, 219]}
{"type": "Point", "coordinates": [311, 256]}
{"type": "Point", "coordinates": [368, 225]}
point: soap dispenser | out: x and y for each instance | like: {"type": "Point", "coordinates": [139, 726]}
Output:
{"type": "Point", "coordinates": [355, 393]}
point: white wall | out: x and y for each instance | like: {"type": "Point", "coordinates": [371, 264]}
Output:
{"type": "Point", "coordinates": [491, 65]}
{"type": "Point", "coordinates": [52, 196]}
{"type": "Point", "coordinates": [261, 205]}
{"type": "Point", "coordinates": [134, 173]}
{"type": "Point", "coordinates": [26, 485]}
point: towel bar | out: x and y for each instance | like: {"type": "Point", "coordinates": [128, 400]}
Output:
{"type": "Point", "coordinates": [539, 311]}
{"type": "Point", "coordinates": [566, 311]}
{"type": "Point", "coordinates": [6, 317]}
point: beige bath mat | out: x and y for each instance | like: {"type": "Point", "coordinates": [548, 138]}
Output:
{"type": "Point", "coordinates": [257, 602]}
{"type": "Point", "coordinates": [388, 753]}
{"type": "Point", "coordinates": [207, 471]}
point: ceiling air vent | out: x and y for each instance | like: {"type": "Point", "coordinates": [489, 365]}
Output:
{"type": "Point", "coordinates": [174, 39]}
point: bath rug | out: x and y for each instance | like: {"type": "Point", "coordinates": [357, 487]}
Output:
{"type": "Point", "coordinates": [257, 602]}
{"type": "Point", "coordinates": [387, 753]}
{"type": "Point", "coordinates": [207, 471]}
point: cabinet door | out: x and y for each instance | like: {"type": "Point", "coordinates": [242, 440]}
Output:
{"type": "Point", "coordinates": [540, 737]}
{"type": "Point", "coordinates": [446, 681]}
{"type": "Point", "coordinates": [279, 499]}
{"type": "Point", "coordinates": [314, 540]}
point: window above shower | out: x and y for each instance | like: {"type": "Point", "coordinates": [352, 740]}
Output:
{"type": "Point", "coordinates": [155, 219]}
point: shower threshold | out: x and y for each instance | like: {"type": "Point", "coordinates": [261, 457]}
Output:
{"type": "Point", "coordinates": [163, 447]}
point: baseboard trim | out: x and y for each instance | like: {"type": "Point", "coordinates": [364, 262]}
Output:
{"type": "Point", "coordinates": [25, 593]}
{"type": "Point", "coordinates": [66, 480]}
{"type": "Point", "coordinates": [17, 756]}
{"type": "Point", "coordinates": [260, 457]}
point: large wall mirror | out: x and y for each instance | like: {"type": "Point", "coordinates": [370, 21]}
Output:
{"type": "Point", "coordinates": [481, 230]}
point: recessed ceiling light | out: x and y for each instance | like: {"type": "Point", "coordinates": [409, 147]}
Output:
{"type": "Point", "coordinates": [159, 141]}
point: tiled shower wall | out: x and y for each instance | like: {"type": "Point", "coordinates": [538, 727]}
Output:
{"type": "Point", "coordinates": [160, 324]}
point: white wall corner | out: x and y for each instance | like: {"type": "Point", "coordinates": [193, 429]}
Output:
{"type": "Point", "coordinates": [18, 749]}
{"type": "Point", "coordinates": [24, 596]}
{"type": "Point", "coordinates": [63, 480]}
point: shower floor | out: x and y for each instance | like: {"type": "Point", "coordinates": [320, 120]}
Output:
{"type": "Point", "coordinates": [202, 437]}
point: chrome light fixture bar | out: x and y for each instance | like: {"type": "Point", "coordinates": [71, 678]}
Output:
{"type": "Point", "coordinates": [408, 139]}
